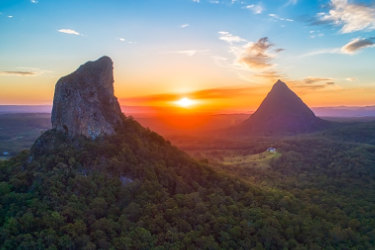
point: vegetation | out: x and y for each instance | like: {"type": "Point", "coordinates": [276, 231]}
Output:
{"type": "Point", "coordinates": [137, 191]}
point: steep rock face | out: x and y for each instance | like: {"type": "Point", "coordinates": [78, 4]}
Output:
{"type": "Point", "coordinates": [282, 112]}
{"type": "Point", "coordinates": [84, 102]}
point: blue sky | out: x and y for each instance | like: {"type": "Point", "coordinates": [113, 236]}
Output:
{"type": "Point", "coordinates": [182, 46]}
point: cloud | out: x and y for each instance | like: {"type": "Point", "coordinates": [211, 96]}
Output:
{"type": "Point", "coordinates": [196, 1]}
{"type": "Point", "coordinates": [256, 55]}
{"type": "Point", "coordinates": [214, 93]}
{"type": "Point", "coordinates": [322, 52]}
{"type": "Point", "coordinates": [270, 74]}
{"type": "Point", "coordinates": [314, 34]}
{"type": "Point", "coordinates": [254, 58]}
{"type": "Point", "coordinates": [313, 80]}
{"type": "Point", "coordinates": [17, 73]}
{"type": "Point", "coordinates": [291, 2]}
{"type": "Point", "coordinates": [350, 79]}
{"type": "Point", "coordinates": [313, 83]}
{"type": "Point", "coordinates": [350, 48]}
{"type": "Point", "coordinates": [357, 44]}
{"type": "Point", "coordinates": [69, 31]}
{"type": "Point", "coordinates": [229, 38]}
{"type": "Point", "coordinates": [185, 25]}
{"type": "Point", "coordinates": [255, 8]}
{"type": "Point", "coordinates": [189, 52]}
{"type": "Point", "coordinates": [280, 18]}
{"type": "Point", "coordinates": [352, 17]}
{"type": "Point", "coordinates": [34, 1]}
{"type": "Point", "coordinates": [124, 40]}
{"type": "Point", "coordinates": [316, 86]}
{"type": "Point", "coordinates": [10, 16]}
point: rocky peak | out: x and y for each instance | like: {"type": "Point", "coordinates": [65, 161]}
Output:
{"type": "Point", "coordinates": [282, 112]}
{"type": "Point", "coordinates": [84, 101]}
{"type": "Point", "coordinates": [280, 84]}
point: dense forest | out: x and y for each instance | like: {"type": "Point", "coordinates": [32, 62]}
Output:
{"type": "Point", "coordinates": [135, 190]}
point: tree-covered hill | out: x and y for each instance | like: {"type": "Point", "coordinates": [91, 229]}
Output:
{"type": "Point", "coordinates": [134, 190]}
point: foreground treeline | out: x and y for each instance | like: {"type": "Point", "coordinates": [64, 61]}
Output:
{"type": "Point", "coordinates": [136, 191]}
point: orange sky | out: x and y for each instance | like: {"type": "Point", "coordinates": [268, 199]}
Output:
{"type": "Point", "coordinates": [209, 51]}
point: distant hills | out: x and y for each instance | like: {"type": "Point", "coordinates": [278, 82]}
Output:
{"type": "Point", "coordinates": [337, 111]}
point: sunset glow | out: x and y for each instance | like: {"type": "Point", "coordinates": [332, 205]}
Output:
{"type": "Point", "coordinates": [185, 102]}
{"type": "Point", "coordinates": [228, 63]}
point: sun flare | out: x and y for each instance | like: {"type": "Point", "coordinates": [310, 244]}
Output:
{"type": "Point", "coordinates": [185, 102]}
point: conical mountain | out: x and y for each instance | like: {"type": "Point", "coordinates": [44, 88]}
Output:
{"type": "Point", "coordinates": [282, 112]}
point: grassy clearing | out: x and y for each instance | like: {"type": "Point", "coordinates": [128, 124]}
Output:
{"type": "Point", "coordinates": [236, 158]}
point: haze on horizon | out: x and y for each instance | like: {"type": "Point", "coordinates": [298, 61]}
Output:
{"type": "Point", "coordinates": [220, 55]}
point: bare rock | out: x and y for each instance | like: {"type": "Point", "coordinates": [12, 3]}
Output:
{"type": "Point", "coordinates": [84, 102]}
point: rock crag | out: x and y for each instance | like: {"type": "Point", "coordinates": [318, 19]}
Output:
{"type": "Point", "coordinates": [84, 101]}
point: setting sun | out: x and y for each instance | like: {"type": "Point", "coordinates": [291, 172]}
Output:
{"type": "Point", "coordinates": [185, 102]}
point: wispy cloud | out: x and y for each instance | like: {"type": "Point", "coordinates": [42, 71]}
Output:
{"type": "Point", "coordinates": [315, 33]}
{"type": "Point", "coordinates": [314, 83]}
{"type": "Point", "coordinates": [69, 31]}
{"type": "Point", "coordinates": [214, 93]}
{"type": "Point", "coordinates": [313, 80]}
{"type": "Point", "coordinates": [185, 25]}
{"type": "Point", "coordinates": [250, 57]}
{"type": "Point", "coordinates": [352, 17]}
{"type": "Point", "coordinates": [255, 8]}
{"type": "Point", "coordinates": [270, 75]}
{"type": "Point", "coordinates": [230, 38]}
{"type": "Point", "coordinates": [291, 2]}
{"type": "Point", "coordinates": [322, 52]}
{"type": "Point", "coordinates": [124, 40]}
{"type": "Point", "coordinates": [350, 79]}
{"type": "Point", "coordinates": [34, 1]}
{"type": "Point", "coordinates": [196, 1]}
{"type": "Point", "coordinates": [357, 44]}
{"type": "Point", "coordinates": [17, 73]}
{"type": "Point", "coordinates": [350, 48]}
{"type": "Point", "coordinates": [188, 52]}
{"type": "Point", "coordinates": [10, 16]}
{"type": "Point", "coordinates": [280, 18]}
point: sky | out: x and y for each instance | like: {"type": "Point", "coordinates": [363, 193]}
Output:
{"type": "Point", "coordinates": [223, 55]}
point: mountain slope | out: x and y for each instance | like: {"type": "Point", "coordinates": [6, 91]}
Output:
{"type": "Point", "coordinates": [134, 190]}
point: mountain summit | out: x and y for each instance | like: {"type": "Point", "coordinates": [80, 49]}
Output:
{"type": "Point", "coordinates": [84, 102]}
{"type": "Point", "coordinates": [282, 112]}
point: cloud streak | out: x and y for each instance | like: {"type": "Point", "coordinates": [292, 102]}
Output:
{"type": "Point", "coordinates": [351, 48]}
{"type": "Point", "coordinates": [352, 17]}
{"type": "Point", "coordinates": [17, 73]}
{"type": "Point", "coordinates": [230, 38]}
{"type": "Point", "coordinates": [69, 31]}
{"type": "Point", "coordinates": [357, 44]}
{"type": "Point", "coordinates": [255, 8]}
{"type": "Point", "coordinates": [188, 52]}
{"type": "Point", "coordinates": [214, 93]}
{"type": "Point", "coordinates": [280, 18]}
